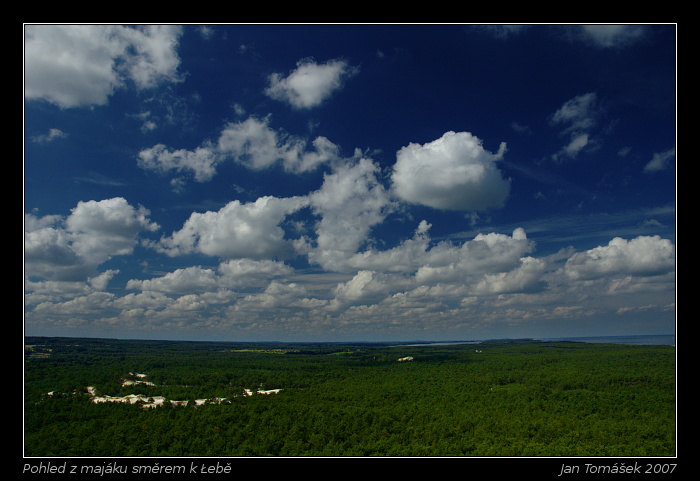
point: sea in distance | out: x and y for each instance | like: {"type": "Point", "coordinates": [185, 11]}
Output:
{"type": "Point", "coordinates": [649, 340]}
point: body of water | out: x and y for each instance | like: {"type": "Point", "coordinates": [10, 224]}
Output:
{"type": "Point", "coordinates": [664, 340]}
{"type": "Point", "coordinates": [648, 340]}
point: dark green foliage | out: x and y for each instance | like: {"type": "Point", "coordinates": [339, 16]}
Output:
{"type": "Point", "coordinates": [524, 398]}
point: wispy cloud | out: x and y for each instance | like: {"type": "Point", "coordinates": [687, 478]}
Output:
{"type": "Point", "coordinates": [52, 134]}
{"type": "Point", "coordinates": [660, 160]}
{"type": "Point", "coordinates": [100, 179]}
{"type": "Point", "coordinates": [577, 117]}
{"type": "Point", "coordinates": [613, 36]}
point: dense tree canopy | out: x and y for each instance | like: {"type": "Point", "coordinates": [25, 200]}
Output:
{"type": "Point", "coordinates": [515, 398]}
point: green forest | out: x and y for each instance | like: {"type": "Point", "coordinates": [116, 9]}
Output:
{"type": "Point", "coordinates": [495, 398]}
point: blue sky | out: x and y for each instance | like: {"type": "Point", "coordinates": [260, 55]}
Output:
{"type": "Point", "coordinates": [349, 182]}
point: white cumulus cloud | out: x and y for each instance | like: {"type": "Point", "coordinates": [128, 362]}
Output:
{"type": "Point", "coordinates": [485, 254]}
{"type": "Point", "coordinates": [78, 65]}
{"type": "Point", "coordinates": [350, 202]}
{"type": "Point", "coordinates": [251, 143]}
{"type": "Point", "coordinates": [181, 281]}
{"type": "Point", "coordinates": [94, 232]}
{"type": "Point", "coordinates": [454, 172]}
{"type": "Point", "coordinates": [256, 145]}
{"type": "Point", "coordinates": [310, 83]}
{"type": "Point", "coordinates": [230, 274]}
{"type": "Point", "coordinates": [201, 162]}
{"type": "Point", "coordinates": [366, 287]}
{"type": "Point", "coordinates": [237, 230]}
{"type": "Point", "coordinates": [641, 256]}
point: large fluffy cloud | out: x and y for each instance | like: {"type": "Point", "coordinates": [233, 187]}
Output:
{"type": "Point", "coordinates": [367, 287]}
{"type": "Point", "coordinates": [453, 172]}
{"type": "Point", "coordinates": [76, 65]}
{"type": "Point", "coordinates": [488, 264]}
{"type": "Point", "coordinates": [94, 232]}
{"type": "Point", "coordinates": [237, 230]}
{"type": "Point", "coordinates": [486, 253]}
{"type": "Point", "coordinates": [310, 83]}
{"type": "Point", "coordinates": [641, 256]}
{"type": "Point", "coordinates": [349, 203]}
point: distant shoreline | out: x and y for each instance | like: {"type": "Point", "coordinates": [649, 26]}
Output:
{"type": "Point", "coordinates": [645, 339]}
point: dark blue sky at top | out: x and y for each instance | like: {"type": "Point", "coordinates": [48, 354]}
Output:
{"type": "Point", "coordinates": [411, 84]}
